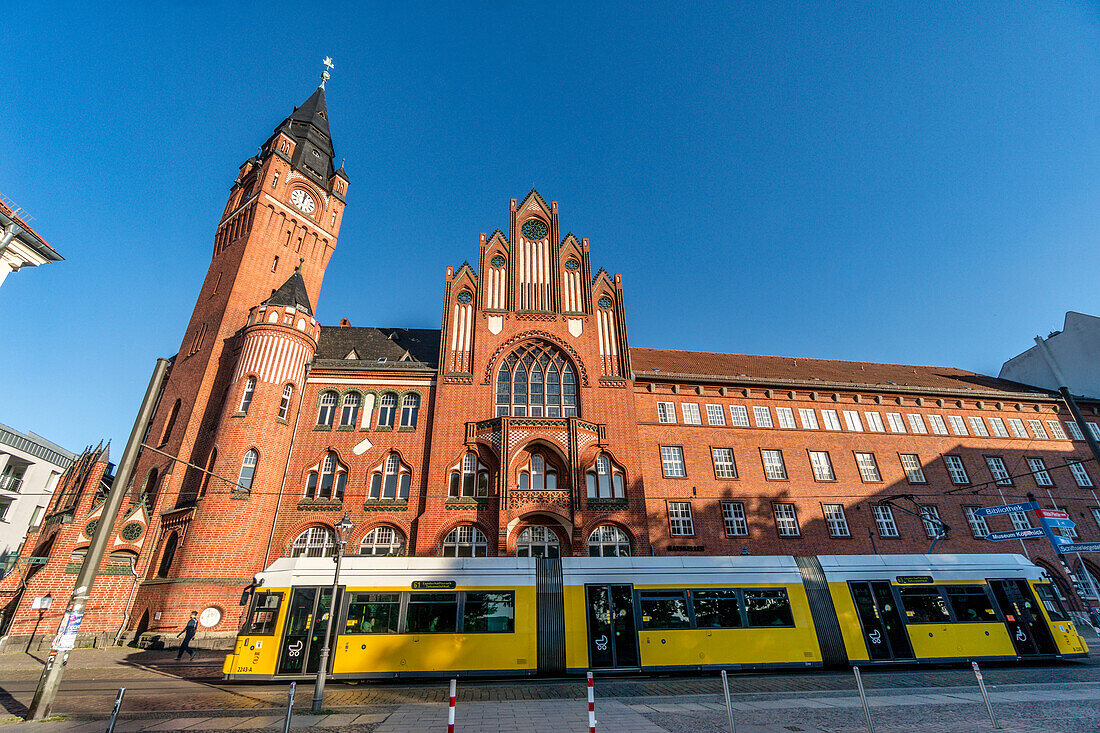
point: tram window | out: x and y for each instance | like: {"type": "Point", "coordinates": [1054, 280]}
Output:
{"type": "Point", "coordinates": [924, 605]}
{"type": "Point", "coordinates": [265, 613]}
{"type": "Point", "coordinates": [432, 613]}
{"type": "Point", "coordinates": [1050, 602]}
{"type": "Point", "coordinates": [487, 613]}
{"type": "Point", "coordinates": [768, 608]}
{"type": "Point", "coordinates": [970, 603]}
{"type": "Point", "coordinates": [664, 609]}
{"type": "Point", "coordinates": [716, 609]}
{"type": "Point", "coordinates": [373, 613]}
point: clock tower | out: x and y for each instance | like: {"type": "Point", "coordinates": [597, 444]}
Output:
{"type": "Point", "coordinates": [276, 235]}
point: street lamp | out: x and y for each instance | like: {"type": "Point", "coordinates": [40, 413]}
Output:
{"type": "Point", "coordinates": [342, 530]}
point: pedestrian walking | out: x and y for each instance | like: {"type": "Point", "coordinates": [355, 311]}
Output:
{"type": "Point", "coordinates": [188, 634]}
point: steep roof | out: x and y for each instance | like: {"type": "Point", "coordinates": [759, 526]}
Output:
{"type": "Point", "coordinates": [707, 366]}
{"type": "Point", "coordinates": [292, 293]}
{"type": "Point", "coordinates": [400, 348]}
{"type": "Point", "coordinates": [314, 110]}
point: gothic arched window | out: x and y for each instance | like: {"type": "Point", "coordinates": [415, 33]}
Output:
{"type": "Point", "coordinates": [410, 408]}
{"type": "Point", "coordinates": [607, 540]}
{"type": "Point", "coordinates": [327, 479]}
{"type": "Point", "coordinates": [149, 489]}
{"type": "Point", "coordinates": [327, 410]}
{"type": "Point", "coordinates": [350, 413]}
{"type": "Point", "coordinates": [248, 470]}
{"type": "Point", "coordinates": [205, 484]}
{"type": "Point", "coordinates": [539, 474]}
{"type": "Point", "coordinates": [383, 541]}
{"type": "Point", "coordinates": [536, 380]}
{"type": "Point", "coordinates": [605, 479]}
{"type": "Point", "coordinates": [387, 406]}
{"type": "Point", "coordinates": [469, 478]}
{"type": "Point", "coordinates": [465, 540]}
{"type": "Point", "coordinates": [246, 398]}
{"type": "Point", "coordinates": [538, 541]}
{"type": "Point", "coordinates": [284, 403]}
{"type": "Point", "coordinates": [390, 480]}
{"type": "Point", "coordinates": [171, 422]}
{"type": "Point", "coordinates": [168, 555]}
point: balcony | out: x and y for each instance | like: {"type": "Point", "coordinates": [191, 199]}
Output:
{"type": "Point", "coordinates": [505, 433]}
{"type": "Point", "coordinates": [11, 483]}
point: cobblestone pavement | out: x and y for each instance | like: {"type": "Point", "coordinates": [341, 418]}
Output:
{"type": "Point", "coordinates": [165, 695]}
{"type": "Point", "coordinates": [1070, 709]}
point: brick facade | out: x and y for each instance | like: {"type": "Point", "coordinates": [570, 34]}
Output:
{"type": "Point", "coordinates": [531, 295]}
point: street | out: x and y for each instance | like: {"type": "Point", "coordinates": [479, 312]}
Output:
{"type": "Point", "coordinates": [164, 695]}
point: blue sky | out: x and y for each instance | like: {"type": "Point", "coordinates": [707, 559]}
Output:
{"type": "Point", "coordinates": [915, 183]}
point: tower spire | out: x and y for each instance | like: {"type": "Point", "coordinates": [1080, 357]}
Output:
{"type": "Point", "coordinates": [329, 66]}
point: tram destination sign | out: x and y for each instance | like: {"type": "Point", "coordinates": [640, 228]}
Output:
{"type": "Point", "coordinates": [1016, 534]}
{"type": "Point", "coordinates": [913, 579]}
{"type": "Point", "coordinates": [433, 585]}
{"type": "Point", "coordinates": [995, 511]}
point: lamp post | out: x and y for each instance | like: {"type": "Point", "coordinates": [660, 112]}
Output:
{"type": "Point", "coordinates": [342, 529]}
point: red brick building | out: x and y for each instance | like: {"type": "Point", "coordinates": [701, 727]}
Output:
{"type": "Point", "coordinates": [527, 424]}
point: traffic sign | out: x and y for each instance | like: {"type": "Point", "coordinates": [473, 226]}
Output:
{"type": "Point", "coordinates": [994, 511]}
{"type": "Point", "coordinates": [1016, 534]}
{"type": "Point", "coordinates": [1052, 513]}
{"type": "Point", "coordinates": [1080, 547]}
{"type": "Point", "coordinates": [1058, 522]}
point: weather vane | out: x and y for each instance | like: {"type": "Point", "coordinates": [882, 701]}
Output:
{"type": "Point", "coordinates": [329, 66]}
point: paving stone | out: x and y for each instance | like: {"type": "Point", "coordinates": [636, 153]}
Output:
{"type": "Point", "coordinates": [175, 724]}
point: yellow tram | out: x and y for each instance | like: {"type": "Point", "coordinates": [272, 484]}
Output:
{"type": "Point", "coordinates": [406, 617]}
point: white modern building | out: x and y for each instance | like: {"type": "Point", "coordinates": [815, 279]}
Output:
{"type": "Point", "coordinates": [1076, 351]}
{"type": "Point", "coordinates": [20, 246]}
{"type": "Point", "coordinates": [30, 467]}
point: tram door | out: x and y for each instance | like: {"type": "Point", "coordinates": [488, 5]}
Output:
{"type": "Point", "coordinates": [1023, 618]}
{"type": "Point", "coordinates": [612, 634]}
{"type": "Point", "coordinates": [883, 628]}
{"type": "Point", "coordinates": [304, 633]}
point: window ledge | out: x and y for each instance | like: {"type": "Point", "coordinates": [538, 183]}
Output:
{"type": "Point", "coordinates": [240, 494]}
{"type": "Point", "coordinates": [407, 429]}
{"type": "Point", "coordinates": [384, 429]}
{"type": "Point", "coordinates": [385, 505]}
{"type": "Point", "coordinates": [346, 428]}
{"type": "Point", "coordinates": [239, 414]}
{"type": "Point", "coordinates": [281, 421]}
{"type": "Point", "coordinates": [467, 503]}
{"type": "Point", "coordinates": [320, 505]}
{"type": "Point", "coordinates": [322, 427]}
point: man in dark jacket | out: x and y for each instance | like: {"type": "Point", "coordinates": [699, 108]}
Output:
{"type": "Point", "coordinates": [188, 634]}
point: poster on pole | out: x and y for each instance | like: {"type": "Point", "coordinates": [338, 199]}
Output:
{"type": "Point", "coordinates": [65, 640]}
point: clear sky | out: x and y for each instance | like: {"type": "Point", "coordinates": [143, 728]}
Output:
{"type": "Point", "coordinates": [915, 183]}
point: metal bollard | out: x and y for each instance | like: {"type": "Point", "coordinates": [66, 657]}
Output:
{"type": "Point", "coordinates": [289, 708]}
{"type": "Point", "coordinates": [451, 709]}
{"type": "Point", "coordinates": [591, 706]}
{"type": "Point", "coordinates": [729, 706]}
{"type": "Point", "coordinates": [985, 696]}
{"type": "Point", "coordinates": [863, 699]}
{"type": "Point", "coordinates": [114, 713]}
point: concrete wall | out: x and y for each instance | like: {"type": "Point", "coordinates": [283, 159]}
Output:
{"type": "Point", "coordinates": [1077, 351]}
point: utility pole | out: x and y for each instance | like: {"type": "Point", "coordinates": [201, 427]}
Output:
{"type": "Point", "coordinates": [50, 680]}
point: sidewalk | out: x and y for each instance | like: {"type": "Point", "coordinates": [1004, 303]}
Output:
{"type": "Point", "coordinates": [1069, 709]}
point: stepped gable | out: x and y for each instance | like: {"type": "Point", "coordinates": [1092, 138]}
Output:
{"type": "Point", "coordinates": [707, 366]}
{"type": "Point", "coordinates": [400, 347]}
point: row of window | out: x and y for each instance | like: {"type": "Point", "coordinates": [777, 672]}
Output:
{"type": "Point", "coordinates": [464, 540]}
{"type": "Point", "coordinates": [681, 520]}
{"type": "Point", "coordinates": [855, 421]}
{"type": "Point", "coordinates": [250, 391]}
{"type": "Point", "coordinates": [353, 401]}
{"type": "Point", "coordinates": [718, 608]}
{"type": "Point", "coordinates": [775, 467]}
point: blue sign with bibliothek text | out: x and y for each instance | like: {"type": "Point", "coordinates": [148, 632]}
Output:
{"type": "Point", "coordinates": [996, 511]}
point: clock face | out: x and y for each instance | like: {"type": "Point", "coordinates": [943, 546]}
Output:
{"type": "Point", "coordinates": [303, 201]}
{"type": "Point", "coordinates": [533, 229]}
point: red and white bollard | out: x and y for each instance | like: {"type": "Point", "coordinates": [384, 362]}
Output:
{"type": "Point", "coordinates": [591, 706]}
{"type": "Point", "coordinates": [451, 710]}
